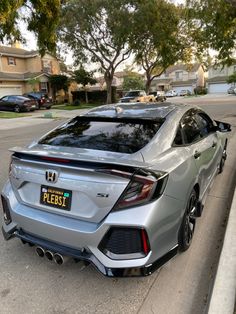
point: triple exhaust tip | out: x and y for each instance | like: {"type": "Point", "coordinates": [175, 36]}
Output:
{"type": "Point", "coordinates": [57, 258]}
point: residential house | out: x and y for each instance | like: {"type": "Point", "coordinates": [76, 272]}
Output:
{"type": "Point", "coordinates": [179, 77]}
{"type": "Point", "coordinates": [217, 78]}
{"type": "Point", "coordinates": [118, 80]}
{"type": "Point", "coordinates": [22, 70]}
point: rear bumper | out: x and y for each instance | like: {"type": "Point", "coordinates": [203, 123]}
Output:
{"type": "Point", "coordinates": [88, 256]}
{"type": "Point", "coordinates": [81, 239]}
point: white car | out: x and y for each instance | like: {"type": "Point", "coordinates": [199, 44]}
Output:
{"type": "Point", "coordinates": [171, 93]}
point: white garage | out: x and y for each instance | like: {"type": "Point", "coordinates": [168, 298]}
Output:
{"type": "Point", "coordinates": [10, 90]}
{"type": "Point", "coordinates": [214, 88]}
{"type": "Point", "coordinates": [179, 88]}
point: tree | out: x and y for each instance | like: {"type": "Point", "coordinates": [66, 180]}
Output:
{"type": "Point", "coordinates": [132, 81]}
{"type": "Point", "coordinates": [58, 82]}
{"type": "Point", "coordinates": [96, 31]}
{"type": "Point", "coordinates": [232, 78]}
{"type": "Point", "coordinates": [158, 39]}
{"type": "Point", "coordinates": [33, 82]}
{"type": "Point", "coordinates": [212, 26]}
{"type": "Point", "coordinates": [84, 78]}
{"type": "Point", "coordinates": [41, 16]}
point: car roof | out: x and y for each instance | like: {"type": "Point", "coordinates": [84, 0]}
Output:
{"type": "Point", "coordinates": [138, 110]}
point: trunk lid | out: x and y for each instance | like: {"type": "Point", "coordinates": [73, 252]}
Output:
{"type": "Point", "coordinates": [94, 191]}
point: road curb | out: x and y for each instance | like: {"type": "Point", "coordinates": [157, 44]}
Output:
{"type": "Point", "coordinates": [224, 290]}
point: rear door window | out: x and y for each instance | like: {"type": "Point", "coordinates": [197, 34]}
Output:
{"type": "Point", "coordinates": [205, 123]}
{"type": "Point", "coordinates": [115, 135]}
{"type": "Point", "coordinates": [190, 128]}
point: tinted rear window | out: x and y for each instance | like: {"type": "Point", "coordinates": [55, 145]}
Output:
{"type": "Point", "coordinates": [122, 136]}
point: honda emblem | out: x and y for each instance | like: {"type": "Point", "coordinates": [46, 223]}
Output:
{"type": "Point", "coordinates": [51, 176]}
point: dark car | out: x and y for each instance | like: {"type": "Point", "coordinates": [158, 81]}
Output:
{"type": "Point", "coordinates": [17, 103]}
{"type": "Point", "coordinates": [43, 101]}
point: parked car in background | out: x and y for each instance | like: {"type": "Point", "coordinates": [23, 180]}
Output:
{"type": "Point", "coordinates": [185, 92]}
{"type": "Point", "coordinates": [231, 90]}
{"type": "Point", "coordinates": [137, 96]}
{"type": "Point", "coordinates": [159, 95]}
{"type": "Point", "coordinates": [120, 187]}
{"type": "Point", "coordinates": [17, 103]}
{"type": "Point", "coordinates": [171, 93]}
{"type": "Point", "coordinates": [43, 101]}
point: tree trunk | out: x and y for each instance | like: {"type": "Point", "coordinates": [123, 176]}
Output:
{"type": "Point", "coordinates": [109, 90]}
{"type": "Point", "coordinates": [86, 96]}
{"type": "Point", "coordinates": [147, 85]}
{"type": "Point", "coordinates": [108, 78]}
{"type": "Point", "coordinates": [148, 82]}
{"type": "Point", "coordinates": [54, 95]}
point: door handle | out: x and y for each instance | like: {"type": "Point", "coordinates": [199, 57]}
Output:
{"type": "Point", "coordinates": [197, 154]}
{"type": "Point", "coordinates": [214, 144]}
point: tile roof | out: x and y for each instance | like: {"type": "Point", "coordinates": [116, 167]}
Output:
{"type": "Point", "coordinates": [17, 52]}
{"type": "Point", "coordinates": [20, 76]}
{"type": "Point", "coordinates": [183, 67]}
{"type": "Point", "coordinates": [217, 79]}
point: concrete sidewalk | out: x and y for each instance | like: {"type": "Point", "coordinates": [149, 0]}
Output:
{"type": "Point", "coordinates": [39, 117]}
{"type": "Point", "coordinates": [224, 291]}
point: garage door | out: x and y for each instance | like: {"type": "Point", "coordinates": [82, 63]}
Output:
{"type": "Point", "coordinates": [10, 90]}
{"type": "Point", "coordinates": [179, 88]}
{"type": "Point", "coordinates": [218, 88]}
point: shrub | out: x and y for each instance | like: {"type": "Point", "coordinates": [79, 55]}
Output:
{"type": "Point", "coordinates": [76, 102]}
{"type": "Point", "coordinates": [199, 90]}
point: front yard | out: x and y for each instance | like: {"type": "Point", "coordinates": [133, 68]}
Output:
{"type": "Point", "coordinates": [72, 107]}
{"type": "Point", "coordinates": [10, 115]}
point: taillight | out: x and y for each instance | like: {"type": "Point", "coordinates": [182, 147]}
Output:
{"type": "Point", "coordinates": [144, 187]}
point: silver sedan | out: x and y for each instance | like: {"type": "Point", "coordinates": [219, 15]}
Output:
{"type": "Point", "coordinates": [120, 187]}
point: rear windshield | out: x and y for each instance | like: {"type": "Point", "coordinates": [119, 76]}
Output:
{"type": "Point", "coordinates": [114, 135]}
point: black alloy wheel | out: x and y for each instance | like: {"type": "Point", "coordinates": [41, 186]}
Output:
{"type": "Point", "coordinates": [17, 108]}
{"type": "Point", "coordinates": [223, 158]}
{"type": "Point", "coordinates": [188, 224]}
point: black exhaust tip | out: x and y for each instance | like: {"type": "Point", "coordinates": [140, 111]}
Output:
{"type": "Point", "coordinates": [39, 251]}
{"type": "Point", "coordinates": [49, 255]}
{"type": "Point", "coordinates": [58, 259]}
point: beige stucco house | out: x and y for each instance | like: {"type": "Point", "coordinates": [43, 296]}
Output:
{"type": "Point", "coordinates": [179, 77]}
{"type": "Point", "coordinates": [22, 71]}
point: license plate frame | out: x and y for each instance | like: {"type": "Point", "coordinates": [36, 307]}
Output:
{"type": "Point", "coordinates": [55, 197]}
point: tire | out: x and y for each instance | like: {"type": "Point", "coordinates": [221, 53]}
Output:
{"type": "Point", "coordinates": [17, 109]}
{"type": "Point", "coordinates": [188, 223]}
{"type": "Point", "coordinates": [223, 158]}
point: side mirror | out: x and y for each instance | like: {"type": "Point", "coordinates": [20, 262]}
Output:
{"type": "Point", "coordinates": [223, 127]}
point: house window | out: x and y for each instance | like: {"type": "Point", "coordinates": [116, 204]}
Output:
{"type": "Point", "coordinates": [179, 75]}
{"type": "Point", "coordinates": [44, 87]}
{"type": "Point", "coordinates": [47, 66]}
{"type": "Point", "coordinates": [11, 61]}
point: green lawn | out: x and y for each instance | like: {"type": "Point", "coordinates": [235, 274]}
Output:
{"type": "Point", "coordinates": [71, 107]}
{"type": "Point", "coordinates": [10, 115]}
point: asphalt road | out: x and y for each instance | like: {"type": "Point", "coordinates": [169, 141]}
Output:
{"type": "Point", "coordinates": [29, 284]}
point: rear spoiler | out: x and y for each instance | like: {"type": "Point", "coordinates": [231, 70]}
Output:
{"type": "Point", "coordinates": [75, 161]}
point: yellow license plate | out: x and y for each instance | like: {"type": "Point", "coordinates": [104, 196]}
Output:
{"type": "Point", "coordinates": [55, 197]}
